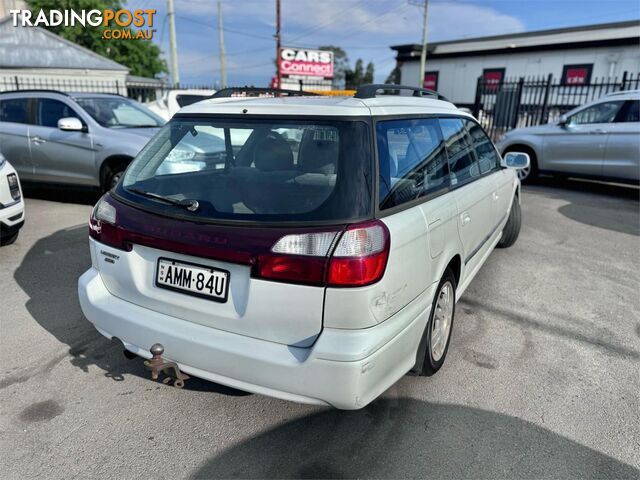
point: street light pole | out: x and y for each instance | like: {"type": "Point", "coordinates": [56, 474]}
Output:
{"type": "Point", "coordinates": [278, 46]}
{"type": "Point", "coordinates": [424, 4]}
{"type": "Point", "coordinates": [173, 47]}
{"type": "Point", "coordinates": [223, 67]}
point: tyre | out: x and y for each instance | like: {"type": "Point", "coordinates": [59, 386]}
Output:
{"type": "Point", "coordinates": [111, 172]}
{"type": "Point", "coordinates": [435, 340]}
{"type": "Point", "coordinates": [511, 229]}
{"type": "Point", "coordinates": [529, 174]}
{"type": "Point", "coordinates": [9, 239]}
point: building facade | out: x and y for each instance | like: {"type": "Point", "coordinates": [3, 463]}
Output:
{"type": "Point", "coordinates": [574, 56]}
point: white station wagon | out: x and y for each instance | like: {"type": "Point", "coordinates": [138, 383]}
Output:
{"type": "Point", "coordinates": [307, 248]}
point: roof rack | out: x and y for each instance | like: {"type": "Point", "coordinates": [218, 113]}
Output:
{"type": "Point", "coordinates": [260, 92]}
{"type": "Point", "coordinates": [371, 91]}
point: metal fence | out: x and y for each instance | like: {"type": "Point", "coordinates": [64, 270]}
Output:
{"type": "Point", "coordinates": [138, 90]}
{"type": "Point", "coordinates": [524, 102]}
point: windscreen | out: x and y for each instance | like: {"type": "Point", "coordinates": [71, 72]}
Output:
{"type": "Point", "coordinates": [270, 170]}
{"type": "Point", "coordinates": [117, 112]}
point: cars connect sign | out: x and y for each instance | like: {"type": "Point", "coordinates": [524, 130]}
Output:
{"type": "Point", "coordinates": [302, 61]}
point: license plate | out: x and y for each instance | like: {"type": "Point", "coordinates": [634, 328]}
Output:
{"type": "Point", "coordinates": [197, 280]}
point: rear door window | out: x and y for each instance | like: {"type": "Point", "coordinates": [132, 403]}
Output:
{"type": "Point", "coordinates": [486, 153]}
{"type": "Point", "coordinates": [259, 170]}
{"type": "Point", "coordinates": [463, 163]}
{"type": "Point", "coordinates": [630, 112]}
{"type": "Point", "coordinates": [412, 160]}
{"type": "Point", "coordinates": [14, 110]}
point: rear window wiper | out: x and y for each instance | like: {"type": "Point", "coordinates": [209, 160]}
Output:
{"type": "Point", "coordinates": [189, 204]}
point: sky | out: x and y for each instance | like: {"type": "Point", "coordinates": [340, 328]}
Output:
{"type": "Point", "coordinates": [364, 28]}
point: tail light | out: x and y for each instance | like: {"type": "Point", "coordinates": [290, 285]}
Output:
{"type": "Point", "coordinates": [352, 258]}
{"type": "Point", "coordinates": [102, 225]}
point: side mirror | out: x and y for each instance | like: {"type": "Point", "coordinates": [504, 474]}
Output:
{"type": "Point", "coordinates": [70, 124]}
{"type": "Point", "coordinates": [516, 160]}
{"type": "Point", "coordinates": [562, 121]}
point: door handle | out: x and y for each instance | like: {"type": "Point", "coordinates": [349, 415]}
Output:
{"type": "Point", "coordinates": [598, 131]}
{"type": "Point", "coordinates": [496, 197]}
{"type": "Point", "coordinates": [465, 218]}
{"type": "Point", "coordinates": [38, 140]}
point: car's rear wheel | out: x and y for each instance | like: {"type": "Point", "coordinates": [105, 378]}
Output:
{"type": "Point", "coordinates": [511, 229]}
{"type": "Point", "coordinates": [435, 341]}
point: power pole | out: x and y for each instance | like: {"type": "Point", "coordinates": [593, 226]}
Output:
{"type": "Point", "coordinates": [223, 68]}
{"type": "Point", "coordinates": [424, 4]}
{"type": "Point", "coordinates": [173, 47]}
{"type": "Point", "coordinates": [278, 45]}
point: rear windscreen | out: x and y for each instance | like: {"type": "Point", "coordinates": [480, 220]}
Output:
{"type": "Point", "coordinates": [268, 170]}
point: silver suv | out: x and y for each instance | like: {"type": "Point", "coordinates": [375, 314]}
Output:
{"type": "Point", "coordinates": [85, 139]}
{"type": "Point", "coordinates": [600, 140]}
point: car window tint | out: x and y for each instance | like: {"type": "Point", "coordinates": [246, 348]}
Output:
{"type": "Point", "coordinates": [603, 112]}
{"type": "Point", "coordinates": [462, 160]}
{"type": "Point", "coordinates": [14, 110]}
{"type": "Point", "coordinates": [631, 112]}
{"type": "Point", "coordinates": [50, 111]}
{"type": "Point", "coordinates": [412, 159]}
{"type": "Point", "coordinates": [487, 156]}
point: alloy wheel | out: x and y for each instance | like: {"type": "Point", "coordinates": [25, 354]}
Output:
{"type": "Point", "coordinates": [442, 319]}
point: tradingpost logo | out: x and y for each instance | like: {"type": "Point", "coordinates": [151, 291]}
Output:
{"type": "Point", "coordinates": [117, 22]}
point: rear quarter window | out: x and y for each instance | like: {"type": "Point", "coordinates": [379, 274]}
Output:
{"type": "Point", "coordinates": [412, 160]}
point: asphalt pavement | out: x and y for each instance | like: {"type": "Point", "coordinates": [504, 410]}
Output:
{"type": "Point", "coordinates": [542, 379]}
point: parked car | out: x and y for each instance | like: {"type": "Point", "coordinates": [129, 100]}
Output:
{"type": "Point", "coordinates": [83, 139]}
{"type": "Point", "coordinates": [598, 140]}
{"type": "Point", "coordinates": [11, 203]}
{"type": "Point", "coordinates": [321, 273]}
{"type": "Point", "coordinates": [173, 100]}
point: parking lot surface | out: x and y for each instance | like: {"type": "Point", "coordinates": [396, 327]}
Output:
{"type": "Point", "coordinates": [542, 377]}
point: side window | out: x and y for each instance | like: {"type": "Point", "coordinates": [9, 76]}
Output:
{"type": "Point", "coordinates": [463, 163]}
{"type": "Point", "coordinates": [630, 112]}
{"type": "Point", "coordinates": [604, 112]}
{"type": "Point", "coordinates": [14, 110]}
{"type": "Point", "coordinates": [50, 111]}
{"type": "Point", "coordinates": [412, 160]}
{"type": "Point", "coordinates": [488, 158]}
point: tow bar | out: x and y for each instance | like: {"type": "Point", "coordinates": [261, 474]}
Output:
{"type": "Point", "coordinates": [158, 364]}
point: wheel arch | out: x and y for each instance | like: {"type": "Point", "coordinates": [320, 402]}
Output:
{"type": "Point", "coordinates": [111, 162]}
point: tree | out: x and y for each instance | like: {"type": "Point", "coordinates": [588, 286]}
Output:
{"type": "Point", "coordinates": [368, 76]}
{"type": "Point", "coordinates": [142, 57]}
{"type": "Point", "coordinates": [340, 64]}
{"type": "Point", "coordinates": [356, 77]}
{"type": "Point", "coordinates": [394, 76]}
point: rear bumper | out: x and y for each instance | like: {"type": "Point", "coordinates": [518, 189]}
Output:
{"type": "Point", "coordinates": [344, 368]}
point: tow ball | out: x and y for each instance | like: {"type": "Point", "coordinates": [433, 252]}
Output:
{"type": "Point", "coordinates": [158, 364]}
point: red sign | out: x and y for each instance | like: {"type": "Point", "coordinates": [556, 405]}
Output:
{"type": "Point", "coordinates": [302, 61]}
{"type": "Point", "coordinates": [430, 80]}
{"type": "Point", "coordinates": [576, 74]}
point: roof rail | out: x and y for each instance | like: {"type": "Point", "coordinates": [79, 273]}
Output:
{"type": "Point", "coordinates": [259, 91]}
{"type": "Point", "coordinates": [31, 90]}
{"type": "Point", "coordinates": [371, 91]}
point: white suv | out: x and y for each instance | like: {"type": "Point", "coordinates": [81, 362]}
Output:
{"type": "Point", "coordinates": [308, 248]}
{"type": "Point", "coordinates": [11, 203]}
